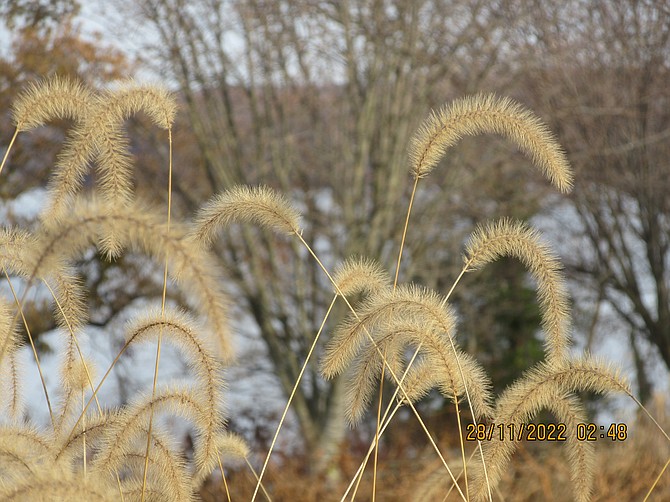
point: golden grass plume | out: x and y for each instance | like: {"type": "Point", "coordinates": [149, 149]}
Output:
{"type": "Point", "coordinates": [242, 204]}
{"type": "Point", "coordinates": [486, 113]}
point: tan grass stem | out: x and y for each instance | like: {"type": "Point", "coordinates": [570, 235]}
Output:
{"type": "Point", "coordinates": [76, 343]}
{"type": "Point", "coordinates": [9, 147]}
{"type": "Point", "coordinates": [253, 471]}
{"type": "Point", "coordinates": [646, 412]}
{"type": "Point", "coordinates": [379, 431]}
{"type": "Point", "coordinates": [358, 475]}
{"type": "Point", "coordinates": [658, 478]}
{"type": "Point", "coordinates": [395, 284]}
{"type": "Point", "coordinates": [377, 425]}
{"type": "Point", "coordinates": [404, 231]}
{"type": "Point", "coordinates": [395, 378]}
{"type": "Point", "coordinates": [151, 413]}
{"type": "Point", "coordinates": [163, 297]}
{"type": "Point", "coordinates": [293, 391]}
{"type": "Point", "coordinates": [223, 478]}
{"type": "Point", "coordinates": [32, 345]}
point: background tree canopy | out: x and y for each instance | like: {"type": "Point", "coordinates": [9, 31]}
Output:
{"type": "Point", "coordinates": [319, 98]}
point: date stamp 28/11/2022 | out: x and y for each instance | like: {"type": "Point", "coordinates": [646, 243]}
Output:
{"type": "Point", "coordinates": [545, 432]}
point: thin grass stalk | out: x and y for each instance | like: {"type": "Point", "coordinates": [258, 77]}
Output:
{"type": "Point", "coordinates": [658, 478]}
{"type": "Point", "coordinates": [376, 440]}
{"type": "Point", "coordinates": [160, 331]}
{"type": "Point", "coordinates": [82, 417]}
{"type": "Point", "coordinates": [223, 478]}
{"type": "Point", "coordinates": [32, 345]}
{"type": "Point", "coordinates": [404, 232]}
{"type": "Point", "coordinates": [83, 427]}
{"type": "Point", "coordinates": [391, 372]}
{"type": "Point", "coordinates": [88, 376]}
{"type": "Point", "coordinates": [378, 433]}
{"type": "Point", "coordinates": [459, 477]}
{"type": "Point", "coordinates": [651, 417]}
{"type": "Point", "coordinates": [253, 471]}
{"type": "Point", "coordinates": [95, 392]}
{"type": "Point", "coordinates": [358, 475]}
{"type": "Point", "coordinates": [386, 364]}
{"type": "Point", "coordinates": [290, 399]}
{"type": "Point", "coordinates": [381, 380]}
{"type": "Point", "coordinates": [9, 147]}
{"type": "Point", "coordinates": [76, 344]}
{"type": "Point", "coordinates": [467, 395]}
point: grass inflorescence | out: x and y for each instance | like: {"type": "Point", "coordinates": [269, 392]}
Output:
{"type": "Point", "coordinates": [402, 335]}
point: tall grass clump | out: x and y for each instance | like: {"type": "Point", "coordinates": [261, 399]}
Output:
{"type": "Point", "coordinates": [393, 334]}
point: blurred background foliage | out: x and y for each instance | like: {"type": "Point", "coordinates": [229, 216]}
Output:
{"type": "Point", "coordinates": [318, 98]}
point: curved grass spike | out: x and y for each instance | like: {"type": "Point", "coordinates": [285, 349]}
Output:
{"type": "Point", "coordinates": [180, 330]}
{"type": "Point", "coordinates": [360, 275]}
{"type": "Point", "coordinates": [51, 98]}
{"type": "Point", "coordinates": [549, 386]}
{"type": "Point", "coordinates": [453, 373]}
{"type": "Point", "coordinates": [23, 446]}
{"type": "Point", "coordinates": [486, 113]}
{"type": "Point", "coordinates": [260, 205]}
{"type": "Point", "coordinates": [100, 139]}
{"type": "Point", "coordinates": [168, 467]}
{"type": "Point", "coordinates": [139, 227]}
{"type": "Point", "coordinates": [52, 483]}
{"type": "Point", "coordinates": [132, 422]}
{"type": "Point", "coordinates": [507, 237]}
{"type": "Point", "coordinates": [350, 336]}
{"type": "Point", "coordinates": [16, 249]}
{"type": "Point", "coordinates": [10, 397]}
{"type": "Point", "coordinates": [361, 380]}
{"type": "Point", "coordinates": [48, 99]}
{"type": "Point", "coordinates": [437, 358]}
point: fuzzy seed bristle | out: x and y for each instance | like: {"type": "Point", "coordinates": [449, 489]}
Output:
{"type": "Point", "coordinates": [260, 205]}
{"type": "Point", "coordinates": [486, 113]}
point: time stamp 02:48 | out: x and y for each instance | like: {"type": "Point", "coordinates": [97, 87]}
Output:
{"type": "Point", "coordinates": [545, 432]}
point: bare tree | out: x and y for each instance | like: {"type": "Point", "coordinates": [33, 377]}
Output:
{"type": "Point", "coordinates": [318, 98]}
{"type": "Point", "coordinates": [604, 80]}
